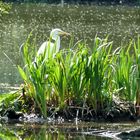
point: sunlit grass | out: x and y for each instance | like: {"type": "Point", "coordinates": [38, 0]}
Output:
{"type": "Point", "coordinates": [124, 73]}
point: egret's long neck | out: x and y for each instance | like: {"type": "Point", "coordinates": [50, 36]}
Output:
{"type": "Point", "coordinates": [58, 44]}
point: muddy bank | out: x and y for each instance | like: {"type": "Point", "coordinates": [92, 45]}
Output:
{"type": "Point", "coordinates": [119, 111]}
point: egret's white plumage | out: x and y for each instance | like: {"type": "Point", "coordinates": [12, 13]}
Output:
{"type": "Point", "coordinates": [55, 36]}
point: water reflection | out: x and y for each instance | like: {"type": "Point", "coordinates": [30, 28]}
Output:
{"type": "Point", "coordinates": [84, 22]}
{"type": "Point", "coordinates": [45, 132]}
{"type": "Point", "coordinates": [64, 131]}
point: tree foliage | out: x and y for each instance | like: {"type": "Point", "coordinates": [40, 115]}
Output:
{"type": "Point", "coordinates": [77, 1]}
{"type": "Point", "coordinates": [4, 7]}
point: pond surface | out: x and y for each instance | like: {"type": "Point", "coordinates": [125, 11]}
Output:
{"type": "Point", "coordinates": [64, 131]}
{"type": "Point", "coordinates": [121, 23]}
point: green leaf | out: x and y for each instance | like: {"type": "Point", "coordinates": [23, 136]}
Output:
{"type": "Point", "coordinates": [22, 73]}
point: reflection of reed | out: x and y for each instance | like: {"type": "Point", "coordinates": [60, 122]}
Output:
{"type": "Point", "coordinates": [65, 131]}
{"type": "Point", "coordinates": [37, 132]}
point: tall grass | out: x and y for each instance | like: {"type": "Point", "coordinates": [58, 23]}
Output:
{"type": "Point", "coordinates": [81, 75]}
{"type": "Point", "coordinates": [98, 72]}
{"type": "Point", "coordinates": [124, 73]}
{"type": "Point", "coordinates": [137, 69]}
{"type": "Point", "coordinates": [34, 77]}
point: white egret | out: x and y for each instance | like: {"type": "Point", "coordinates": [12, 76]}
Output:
{"type": "Point", "coordinates": [55, 41]}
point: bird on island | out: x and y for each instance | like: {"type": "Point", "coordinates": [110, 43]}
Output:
{"type": "Point", "coordinates": [54, 41]}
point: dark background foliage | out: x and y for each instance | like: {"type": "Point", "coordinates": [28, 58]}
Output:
{"type": "Point", "coordinates": [79, 1]}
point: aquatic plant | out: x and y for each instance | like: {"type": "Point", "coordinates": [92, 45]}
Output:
{"type": "Point", "coordinates": [80, 76]}
{"type": "Point", "coordinates": [34, 77]}
{"type": "Point", "coordinates": [98, 73]}
{"type": "Point", "coordinates": [67, 77]}
{"type": "Point", "coordinates": [137, 74]}
{"type": "Point", "coordinates": [124, 73]}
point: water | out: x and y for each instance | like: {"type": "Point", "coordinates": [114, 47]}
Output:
{"type": "Point", "coordinates": [121, 23]}
{"type": "Point", "coordinates": [64, 131]}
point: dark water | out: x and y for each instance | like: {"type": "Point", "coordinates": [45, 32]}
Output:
{"type": "Point", "coordinates": [121, 23]}
{"type": "Point", "coordinates": [63, 131]}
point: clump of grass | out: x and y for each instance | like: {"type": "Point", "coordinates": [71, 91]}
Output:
{"type": "Point", "coordinates": [81, 76]}
{"type": "Point", "coordinates": [124, 73]}
{"type": "Point", "coordinates": [98, 72]}
{"type": "Point", "coordinates": [137, 74]}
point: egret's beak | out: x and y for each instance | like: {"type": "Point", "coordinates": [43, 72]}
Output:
{"type": "Point", "coordinates": [64, 34]}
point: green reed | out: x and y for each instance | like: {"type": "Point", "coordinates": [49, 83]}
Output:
{"type": "Point", "coordinates": [81, 76]}
{"type": "Point", "coordinates": [98, 73]}
{"type": "Point", "coordinates": [34, 77]}
{"type": "Point", "coordinates": [137, 69]}
{"type": "Point", "coordinates": [77, 81]}
{"type": "Point", "coordinates": [124, 73]}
